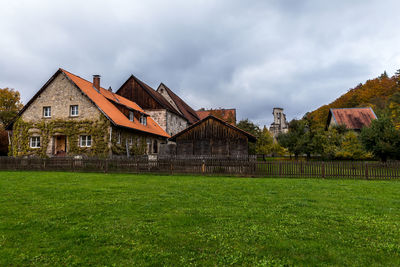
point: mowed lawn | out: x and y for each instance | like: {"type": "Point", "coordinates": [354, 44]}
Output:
{"type": "Point", "coordinates": [53, 218]}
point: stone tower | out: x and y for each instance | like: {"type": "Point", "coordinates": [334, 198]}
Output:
{"type": "Point", "coordinates": [280, 125]}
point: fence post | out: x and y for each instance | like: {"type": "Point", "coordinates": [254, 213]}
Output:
{"type": "Point", "coordinates": [323, 169]}
{"type": "Point", "coordinates": [280, 168]}
{"type": "Point", "coordinates": [366, 171]}
{"type": "Point", "coordinates": [106, 165]}
{"type": "Point", "coordinates": [203, 167]}
{"type": "Point", "coordinates": [171, 167]}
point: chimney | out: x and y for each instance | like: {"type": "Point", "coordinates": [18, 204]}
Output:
{"type": "Point", "coordinates": [96, 82]}
{"type": "Point", "coordinates": [110, 89]}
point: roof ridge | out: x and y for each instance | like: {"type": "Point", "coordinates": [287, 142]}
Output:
{"type": "Point", "coordinates": [218, 119]}
{"type": "Point", "coordinates": [186, 106]}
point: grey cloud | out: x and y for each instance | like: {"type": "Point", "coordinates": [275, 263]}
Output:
{"type": "Point", "coordinates": [248, 55]}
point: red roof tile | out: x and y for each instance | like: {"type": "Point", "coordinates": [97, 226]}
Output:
{"type": "Point", "coordinates": [353, 118]}
{"type": "Point", "coordinates": [101, 100]}
{"type": "Point", "coordinates": [225, 114]}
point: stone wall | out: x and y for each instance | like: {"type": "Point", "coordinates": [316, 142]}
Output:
{"type": "Point", "coordinates": [175, 123]}
{"type": "Point", "coordinates": [168, 121]}
{"type": "Point", "coordinates": [165, 94]}
{"type": "Point", "coordinates": [60, 94]}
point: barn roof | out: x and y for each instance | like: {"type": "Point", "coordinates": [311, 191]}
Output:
{"type": "Point", "coordinates": [154, 94]}
{"type": "Point", "coordinates": [184, 108]}
{"type": "Point", "coordinates": [352, 118]}
{"type": "Point", "coordinates": [226, 114]}
{"type": "Point", "coordinates": [103, 99]}
{"type": "Point", "coordinates": [250, 137]}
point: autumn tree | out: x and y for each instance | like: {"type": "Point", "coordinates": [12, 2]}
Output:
{"type": "Point", "coordinates": [352, 148]}
{"type": "Point", "coordinates": [374, 93]}
{"type": "Point", "coordinates": [382, 139]}
{"type": "Point", "coordinates": [265, 144]}
{"type": "Point", "coordinates": [10, 105]}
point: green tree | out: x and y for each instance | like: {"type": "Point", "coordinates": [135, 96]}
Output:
{"type": "Point", "coordinates": [10, 105]}
{"type": "Point", "coordinates": [351, 148]}
{"type": "Point", "coordinates": [296, 139]}
{"type": "Point", "coordinates": [382, 139]}
{"type": "Point", "coordinates": [264, 142]}
{"type": "Point", "coordinates": [252, 128]}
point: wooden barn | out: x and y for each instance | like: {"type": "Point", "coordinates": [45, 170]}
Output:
{"type": "Point", "coordinates": [212, 136]}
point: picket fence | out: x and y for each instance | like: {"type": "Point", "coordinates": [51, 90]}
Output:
{"type": "Point", "coordinates": [236, 166]}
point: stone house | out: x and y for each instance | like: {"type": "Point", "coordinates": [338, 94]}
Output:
{"type": "Point", "coordinates": [353, 118]}
{"type": "Point", "coordinates": [72, 116]}
{"type": "Point", "coordinates": [165, 107]}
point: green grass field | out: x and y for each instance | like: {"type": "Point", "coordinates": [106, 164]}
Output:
{"type": "Point", "coordinates": [108, 219]}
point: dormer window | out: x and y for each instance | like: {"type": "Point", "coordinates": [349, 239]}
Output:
{"type": "Point", "coordinates": [143, 120]}
{"type": "Point", "coordinates": [74, 111]}
{"type": "Point", "coordinates": [131, 115]}
{"type": "Point", "coordinates": [47, 112]}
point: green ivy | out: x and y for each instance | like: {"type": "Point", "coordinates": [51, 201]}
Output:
{"type": "Point", "coordinates": [70, 128]}
{"type": "Point", "coordinates": [138, 146]}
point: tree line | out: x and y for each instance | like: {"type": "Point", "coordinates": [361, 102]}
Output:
{"type": "Point", "coordinates": [381, 140]}
{"type": "Point", "coordinates": [10, 105]}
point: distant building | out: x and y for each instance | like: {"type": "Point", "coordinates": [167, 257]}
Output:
{"type": "Point", "coordinates": [228, 115]}
{"type": "Point", "coordinates": [280, 125]}
{"type": "Point", "coordinates": [353, 118]}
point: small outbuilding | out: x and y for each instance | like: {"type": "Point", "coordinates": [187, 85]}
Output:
{"type": "Point", "coordinates": [212, 136]}
{"type": "Point", "coordinates": [353, 118]}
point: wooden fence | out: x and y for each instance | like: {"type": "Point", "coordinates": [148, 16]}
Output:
{"type": "Point", "coordinates": [211, 166]}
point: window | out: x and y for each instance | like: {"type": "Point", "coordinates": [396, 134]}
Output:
{"type": "Point", "coordinates": [47, 112]}
{"type": "Point", "coordinates": [119, 138]}
{"type": "Point", "coordinates": [131, 115]}
{"type": "Point", "coordinates": [143, 120]}
{"type": "Point", "coordinates": [35, 142]}
{"type": "Point", "coordinates": [85, 141]}
{"type": "Point", "coordinates": [74, 110]}
{"type": "Point", "coordinates": [155, 147]}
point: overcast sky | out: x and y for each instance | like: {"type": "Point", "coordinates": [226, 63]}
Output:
{"type": "Point", "coordinates": [249, 55]}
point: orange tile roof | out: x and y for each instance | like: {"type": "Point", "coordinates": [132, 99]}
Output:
{"type": "Point", "coordinates": [353, 118]}
{"type": "Point", "coordinates": [224, 114]}
{"type": "Point", "coordinates": [101, 100]}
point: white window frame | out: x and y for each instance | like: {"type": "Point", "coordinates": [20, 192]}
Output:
{"type": "Point", "coordinates": [34, 142]}
{"type": "Point", "coordinates": [131, 117]}
{"type": "Point", "coordinates": [130, 140]}
{"type": "Point", "coordinates": [47, 112]}
{"type": "Point", "coordinates": [85, 141]}
{"type": "Point", "coordinates": [74, 112]}
{"type": "Point", "coordinates": [143, 120]}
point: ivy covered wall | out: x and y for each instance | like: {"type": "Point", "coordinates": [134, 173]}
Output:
{"type": "Point", "coordinates": [22, 131]}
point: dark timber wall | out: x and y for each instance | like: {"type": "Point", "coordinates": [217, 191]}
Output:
{"type": "Point", "coordinates": [132, 90]}
{"type": "Point", "coordinates": [211, 137]}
